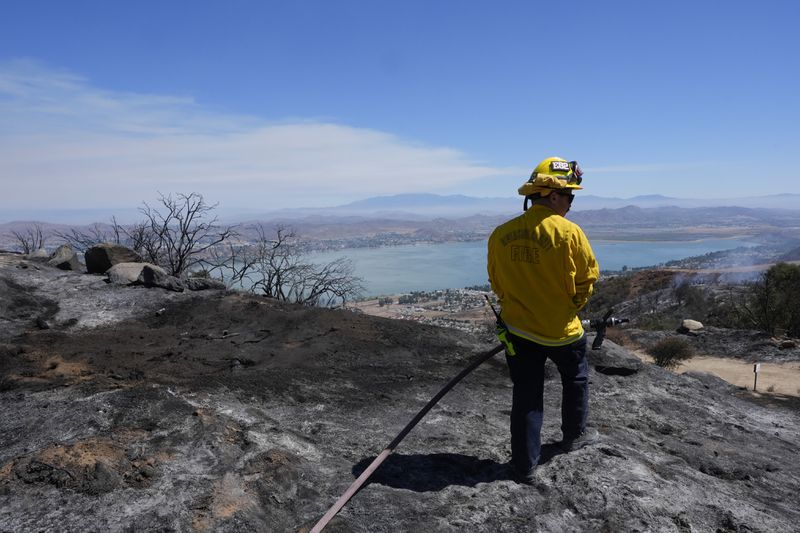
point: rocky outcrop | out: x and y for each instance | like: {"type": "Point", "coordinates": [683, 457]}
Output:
{"type": "Point", "coordinates": [153, 276]}
{"type": "Point", "coordinates": [145, 274]}
{"type": "Point", "coordinates": [101, 257]}
{"type": "Point", "coordinates": [65, 258]}
{"type": "Point", "coordinates": [128, 273]}
{"type": "Point", "coordinates": [31, 292]}
{"type": "Point", "coordinates": [150, 275]}
{"type": "Point", "coordinates": [613, 360]}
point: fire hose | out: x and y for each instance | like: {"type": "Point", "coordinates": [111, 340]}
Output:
{"type": "Point", "coordinates": [599, 325]}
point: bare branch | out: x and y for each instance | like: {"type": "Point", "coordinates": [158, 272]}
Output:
{"type": "Point", "coordinates": [276, 266]}
{"type": "Point", "coordinates": [31, 239]}
{"type": "Point", "coordinates": [96, 234]}
{"type": "Point", "coordinates": [181, 234]}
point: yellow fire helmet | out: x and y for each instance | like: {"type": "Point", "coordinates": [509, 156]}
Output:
{"type": "Point", "coordinates": [552, 174]}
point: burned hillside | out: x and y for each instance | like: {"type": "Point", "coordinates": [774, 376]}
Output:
{"type": "Point", "coordinates": [130, 409]}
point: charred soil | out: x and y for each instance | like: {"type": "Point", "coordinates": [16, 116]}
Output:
{"type": "Point", "coordinates": [131, 409]}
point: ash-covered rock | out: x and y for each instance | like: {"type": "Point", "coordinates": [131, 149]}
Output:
{"type": "Point", "coordinates": [127, 273]}
{"type": "Point", "coordinates": [230, 412]}
{"type": "Point", "coordinates": [146, 274]}
{"type": "Point", "coordinates": [65, 258]}
{"type": "Point", "coordinates": [612, 359]}
{"type": "Point", "coordinates": [101, 257]}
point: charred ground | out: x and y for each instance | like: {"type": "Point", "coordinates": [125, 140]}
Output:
{"type": "Point", "coordinates": [128, 409]}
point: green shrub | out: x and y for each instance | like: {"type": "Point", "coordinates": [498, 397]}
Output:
{"type": "Point", "coordinates": [670, 352]}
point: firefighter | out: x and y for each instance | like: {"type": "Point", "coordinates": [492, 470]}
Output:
{"type": "Point", "coordinates": [542, 269]}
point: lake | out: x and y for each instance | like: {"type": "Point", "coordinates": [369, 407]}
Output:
{"type": "Point", "coordinates": [401, 269]}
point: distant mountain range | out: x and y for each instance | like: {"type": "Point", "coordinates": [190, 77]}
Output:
{"type": "Point", "coordinates": [415, 207]}
{"type": "Point", "coordinates": [376, 222]}
{"type": "Point", "coordinates": [411, 202]}
{"type": "Point", "coordinates": [410, 206]}
{"type": "Point", "coordinates": [772, 201]}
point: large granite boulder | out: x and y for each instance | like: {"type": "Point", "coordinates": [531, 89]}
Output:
{"type": "Point", "coordinates": [145, 274]}
{"type": "Point", "coordinates": [65, 258]}
{"type": "Point", "coordinates": [154, 276]}
{"type": "Point", "coordinates": [128, 273]}
{"type": "Point", "coordinates": [101, 257]}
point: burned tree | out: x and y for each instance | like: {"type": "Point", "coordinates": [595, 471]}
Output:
{"type": "Point", "coordinates": [96, 234]}
{"type": "Point", "coordinates": [30, 239]}
{"type": "Point", "coordinates": [277, 266]}
{"type": "Point", "coordinates": [179, 232]}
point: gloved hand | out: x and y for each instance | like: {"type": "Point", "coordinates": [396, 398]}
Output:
{"type": "Point", "coordinates": [502, 334]}
{"type": "Point", "coordinates": [502, 330]}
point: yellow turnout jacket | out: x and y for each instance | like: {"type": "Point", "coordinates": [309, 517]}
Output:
{"type": "Point", "coordinates": [542, 269]}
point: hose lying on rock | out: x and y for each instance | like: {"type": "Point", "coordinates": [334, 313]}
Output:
{"type": "Point", "coordinates": [599, 325]}
{"type": "Point", "coordinates": [350, 492]}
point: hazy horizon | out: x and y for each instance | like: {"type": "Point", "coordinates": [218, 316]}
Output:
{"type": "Point", "coordinates": [399, 203]}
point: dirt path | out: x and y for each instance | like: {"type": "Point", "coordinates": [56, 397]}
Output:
{"type": "Point", "coordinates": [780, 378]}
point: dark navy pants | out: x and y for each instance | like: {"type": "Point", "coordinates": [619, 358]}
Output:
{"type": "Point", "coordinates": [527, 374]}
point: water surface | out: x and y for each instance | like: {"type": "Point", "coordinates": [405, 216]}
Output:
{"type": "Point", "coordinates": [399, 269]}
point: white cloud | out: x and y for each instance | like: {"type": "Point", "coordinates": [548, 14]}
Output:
{"type": "Point", "coordinates": [66, 143]}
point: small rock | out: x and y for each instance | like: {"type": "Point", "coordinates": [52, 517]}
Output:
{"type": "Point", "coordinates": [147, 471]}
{"type": "Point", "coordinates": [65, 258]}
{"type": "Point", "coordinates": [689, 327]}
{"type": "Point", "coordinates": [103, 479]}
{"type": "Point", "coordinates": [39, 255]}
{"type": "Point", "coordinates": [787, 344]}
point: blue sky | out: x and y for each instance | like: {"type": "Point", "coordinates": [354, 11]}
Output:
{"type": "Point", "coordinates": [288, 104]}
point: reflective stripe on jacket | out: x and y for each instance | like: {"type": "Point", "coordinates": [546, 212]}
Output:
{"type": "Point", "coordinates": [542, 269]}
